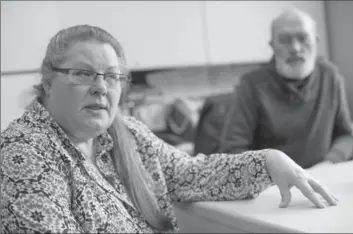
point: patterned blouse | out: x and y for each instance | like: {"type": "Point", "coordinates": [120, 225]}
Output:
{"type": "Point", "coordinates": [48, 186]}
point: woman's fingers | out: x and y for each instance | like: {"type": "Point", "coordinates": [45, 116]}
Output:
{"type": "Point", "coordinates": [286, 196]}
{"type": "Point", "coordinates": [337, 200]}
{"type": "Point", "coordinates": [324, 192]}
{"type": "Point", "coordinates": [305, 188]}
{"type": "Point", "coordinates": [285, 173]}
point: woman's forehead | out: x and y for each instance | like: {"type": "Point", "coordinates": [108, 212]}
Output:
{"type": "Point", "coordinates": [95, 55]}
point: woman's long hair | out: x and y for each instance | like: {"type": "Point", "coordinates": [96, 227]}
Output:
{"type": "Point", "coordinates": [126, 160]}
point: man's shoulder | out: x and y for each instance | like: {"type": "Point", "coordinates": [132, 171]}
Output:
{"type": "Point", "coordinates": [326, 65]}
{"type": "Point", "coordinates": [256, 78]}
{"type": "Point", "coordinates": [257, 74]}
{"type": "Point", "coordinates": [329, 70]}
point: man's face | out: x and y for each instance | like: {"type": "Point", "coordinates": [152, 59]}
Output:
{"type": "Point", "coordinates": [294, 44]}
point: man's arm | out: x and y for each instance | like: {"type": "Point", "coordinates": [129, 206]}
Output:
{"type": "Point", "coordinates": [240, 123]}
{"type": "Point", "coordinates": [342, 145]}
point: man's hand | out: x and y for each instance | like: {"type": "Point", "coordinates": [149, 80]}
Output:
{"type": "Point", "coordinates": [285, 173]}
{"type": "Point", "coordinates": [335, 156]}
{"type": "Point", "coordinates": [324, 163]}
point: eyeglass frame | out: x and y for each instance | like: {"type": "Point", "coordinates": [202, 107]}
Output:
{"type": "Point", "coordinates": [67, 71]}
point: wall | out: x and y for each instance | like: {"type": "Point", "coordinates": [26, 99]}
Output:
{"type": "Point", "coordinates": [340, 35]}
{"type": "Point", "coordinates": [154, 33]}
{"type": "Point", "coordinates": [239, 31]}
{"type": "Point", "coordinates": [187, 32]}
{"type": "Point", "coordinates": [15, 95]}
{"type": "Point", "coordinates": [26, 28]}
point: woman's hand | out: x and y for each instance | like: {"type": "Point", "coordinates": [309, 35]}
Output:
{"type": "Point", "coordinates": [285, 173]}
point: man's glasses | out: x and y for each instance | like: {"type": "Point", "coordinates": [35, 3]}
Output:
{"type": "Point", "coordinates": [85, 77]}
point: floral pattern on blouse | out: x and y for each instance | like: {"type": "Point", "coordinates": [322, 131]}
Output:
{"type": "Point", "coordinates": [48, 186]}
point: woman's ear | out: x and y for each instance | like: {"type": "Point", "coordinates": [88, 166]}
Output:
{"type": "Point", "coordinates": [46, 87]}
{"type": "Point", "coordinates": [270, 43]}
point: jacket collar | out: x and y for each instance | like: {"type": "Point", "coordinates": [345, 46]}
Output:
{"type": "Point", "coordinates": [306, 86]}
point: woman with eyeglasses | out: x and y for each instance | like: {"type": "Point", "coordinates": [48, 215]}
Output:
{"type": "Point", "coordinates": [72, 163]}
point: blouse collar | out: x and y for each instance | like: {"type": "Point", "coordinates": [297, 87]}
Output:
{"type": "Point", "coordinates": [40, 114]}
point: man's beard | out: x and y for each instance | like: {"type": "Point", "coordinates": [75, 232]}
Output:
{"type": "Point", "coordinates": [296, 70]}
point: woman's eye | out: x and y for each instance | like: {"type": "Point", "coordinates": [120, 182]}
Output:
{"type": "Point", "coordinates": [112, 76]}
{"type": "Point", "coordinates": [116, 77]}
{"type": "Point", "coordinates": [82, 73]}
{"type": "Point", "coordinates": [122, 78]}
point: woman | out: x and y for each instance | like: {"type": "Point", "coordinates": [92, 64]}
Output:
{"type": "Point", "coordinates": [73, 164]}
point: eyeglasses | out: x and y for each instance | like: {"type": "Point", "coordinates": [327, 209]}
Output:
{"type": "Point", "coordinates": [85, 77]}
{"type": "Point", "coordinates": [286, 39]}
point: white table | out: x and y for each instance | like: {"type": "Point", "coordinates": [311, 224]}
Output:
{"type": "Point", "coordinates": [263, 215]}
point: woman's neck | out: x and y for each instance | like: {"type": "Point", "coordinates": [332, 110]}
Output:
{"type": "Point", "coordinates": [87, 147]}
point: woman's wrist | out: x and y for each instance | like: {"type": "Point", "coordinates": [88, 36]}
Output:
{"type": "Point", "coordinates": [270, 155]}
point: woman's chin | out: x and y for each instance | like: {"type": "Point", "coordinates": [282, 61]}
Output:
{"type": "Point", "coordinates": [96, 113]}
{"type": "Point", "coordinates": [96, 120]}
{"type": "Point", "coordinates": [97, 124]}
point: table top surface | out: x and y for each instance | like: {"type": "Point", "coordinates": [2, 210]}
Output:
{"type": "Point", "coordinates": [262, 214]}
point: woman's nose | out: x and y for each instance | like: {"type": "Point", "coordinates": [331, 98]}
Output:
{"type": "Point", "coordinates": [99, 86]}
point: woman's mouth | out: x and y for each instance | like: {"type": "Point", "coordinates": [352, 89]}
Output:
{"type": "Point", "coordinates": [96, 108]}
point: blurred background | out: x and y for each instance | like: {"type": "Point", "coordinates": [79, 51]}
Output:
{"type": "Point", "coordinates": [183, 55]}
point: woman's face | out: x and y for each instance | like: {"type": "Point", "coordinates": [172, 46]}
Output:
{"type": "Point", "coordinates": [86, 110]}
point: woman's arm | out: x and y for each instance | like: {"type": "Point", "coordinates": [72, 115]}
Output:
{"type": "Point", "coordinates": [213, 177]}
{"type": "Point", "coordinates": [35, 194]}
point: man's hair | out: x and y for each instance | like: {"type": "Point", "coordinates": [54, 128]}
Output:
{"type": "Point", "coordinates": [291, 13]}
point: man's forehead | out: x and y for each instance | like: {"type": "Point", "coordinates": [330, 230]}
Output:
{"type": "Point", "coordinates": [294, 25]}
{"type": "Point", "coordinates": [294, 29]}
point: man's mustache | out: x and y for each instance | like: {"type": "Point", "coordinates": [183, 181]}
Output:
{"type": "Point", "coordinates": [295, 58]}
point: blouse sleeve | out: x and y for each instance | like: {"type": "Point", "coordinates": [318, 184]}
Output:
{"type": "Point", "coordinates": [35, 194]}
{"type": "Point", "coordinates": [200, 178]}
